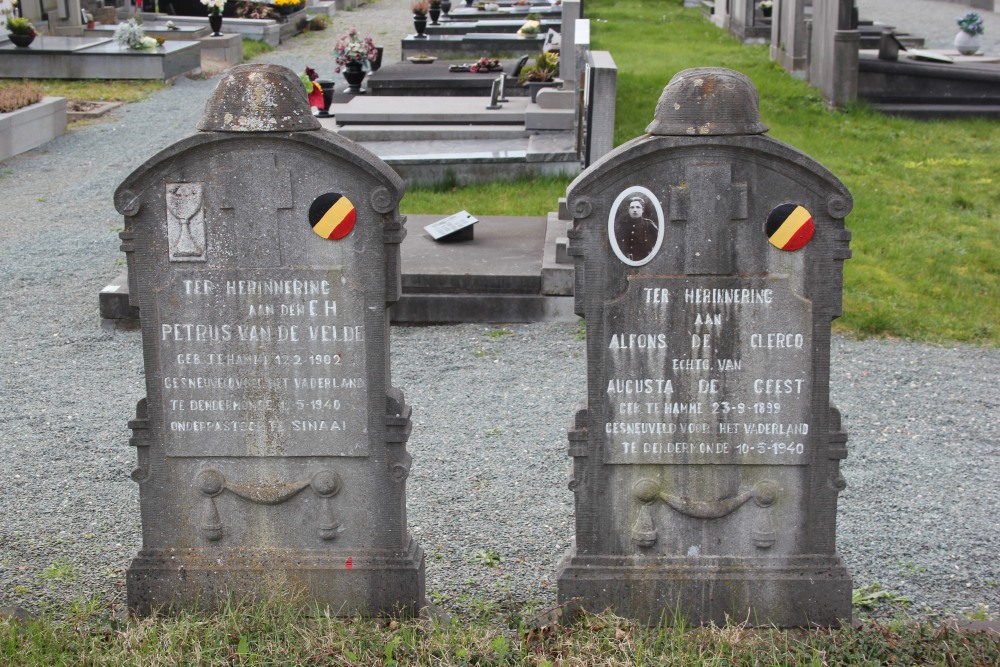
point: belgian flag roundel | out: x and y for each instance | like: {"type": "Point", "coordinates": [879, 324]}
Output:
{"type": "Point", "coordinates": [332, 216]}
{"type": "Point", "coordinates": [789, 227]}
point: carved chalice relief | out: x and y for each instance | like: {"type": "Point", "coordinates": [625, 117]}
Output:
{"type": "Point", "coordinates": [184, 205]}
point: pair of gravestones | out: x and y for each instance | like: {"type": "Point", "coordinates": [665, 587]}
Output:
{"type": "Point", "coordinates": [271, 443]}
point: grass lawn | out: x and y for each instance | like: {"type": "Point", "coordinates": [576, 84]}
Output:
{"type": "Point", "coordinates": [269, 636]}
{"type": "Point", "coordinates": [926, 196]}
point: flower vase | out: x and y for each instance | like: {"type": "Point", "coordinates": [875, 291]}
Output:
{"type": "Point", "coordinates": [468, 3]}
{"type": "Point", "coordinates": [21, 40]}
{"type": "Point", "coordinates": [327, 87]}
{"type": "Point", "coordinates": [445, 7]}
{"type": "Point", "coordinates": [435, 12]}
{"type": "Point", "coordinates": [354, 74]}
{"type": "Point", "coordinates": [967, 43]}
{"type": "Point", "coordinates": [420, 23]}
{"type": "Point", "coordinates": [766, 12]}
{"type": "Point", "coordinates": [215, 20]}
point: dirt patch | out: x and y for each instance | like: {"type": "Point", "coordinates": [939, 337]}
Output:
{"type": "Point", "coordinates": [83, 109]}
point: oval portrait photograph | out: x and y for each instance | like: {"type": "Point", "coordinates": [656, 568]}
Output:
{"type": "Point", "coordinates": [635, 226]}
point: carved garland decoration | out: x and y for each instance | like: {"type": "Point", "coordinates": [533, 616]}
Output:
{"type": "Point", "coordinates": [647, 491]}
{"type": "Point", "coordinates": [211, 483]}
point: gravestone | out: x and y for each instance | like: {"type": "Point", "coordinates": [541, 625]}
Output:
{"type": "Point", "coordinates": [706, 454]}
{"type": "Point", "coordinates": [263, 252]}
{"type": "Point", "coordinates": [789, 35]}
{"type": "Point", "coordinates": [832, 53]}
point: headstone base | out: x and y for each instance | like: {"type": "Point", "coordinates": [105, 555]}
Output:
{"type": "Point", "coordinates": [349, 581]}
{"type": "Point", "coordinates": [785, 592]}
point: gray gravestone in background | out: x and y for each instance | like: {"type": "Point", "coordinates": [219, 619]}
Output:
{"type": "Point", "coordinates": [789, 36]}
{"type": "Point", "coordinates": [706, 456]}
{"type": "Point", "coordinates": [832, 52]}
{"type": "Point", "coordinates": [262, 254]}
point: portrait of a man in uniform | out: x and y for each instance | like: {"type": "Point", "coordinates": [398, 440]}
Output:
{"type": "Point", "coordinates": [636, 233]}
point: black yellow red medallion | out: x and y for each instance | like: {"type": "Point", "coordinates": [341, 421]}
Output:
{"type": "Point", "coordinates": [789, 227]}
{"type": "Point", "coordinates": [332, 216]}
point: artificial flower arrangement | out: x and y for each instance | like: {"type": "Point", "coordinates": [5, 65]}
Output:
{"type": "Point", "coordinates": [214, 6]}
{"type": "Point", "coordinates": [351, 47]}
{"type": "Point", "coordinates": [766, 4]}
{"type": "Point", "coordinates": [971, 23]}
{"type": "Point", "coordinates": [484, 65]}
{"type": "Point", "coordinates": [530, 28]}
{"type": "Point", "coordinates": [18, 25]}
{"type": "Point", "coordinates": [255, 10]}
{"type": "Point", "coordinates": [420, 7]}
{"type": "Point", "coordinates": [545, 69]}
{"type": "Point", "coordinates": [287, 3]}
{"type": "Point", "coordinates": [130, 35]}
{"type": "Point", "coordinates": [313, 89]}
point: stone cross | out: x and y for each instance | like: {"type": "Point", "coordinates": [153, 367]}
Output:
{"type": "Point", "coordinates": [253, 195]}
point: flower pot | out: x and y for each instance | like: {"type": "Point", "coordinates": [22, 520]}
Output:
{"type": "Point", "coordinates": [215, 20]}
{"type": "Point", "coordinates": [967, 44]}
{"type": "Point", "coordinates": [354, 74]}
{"type": "Point", "coordinates": [420, 23]}
{"type": "Point", "coordinates": [766, 11]}
{"type": "Point", "coordinates": [21, 40]}
{"type": "Point", "coordinates": [535, 86]}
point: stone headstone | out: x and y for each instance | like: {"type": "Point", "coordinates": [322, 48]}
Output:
{"type": "Point", "coordinates": [790, 36]}
{"type": "Point", "coordinates": [706, 455]}
{"type": "Point", "coordinates": [833, 51]}
{"type": "Point", "coordinates": [263, 252]}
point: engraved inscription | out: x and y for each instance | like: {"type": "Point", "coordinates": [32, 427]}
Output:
{"type": "Point", "coordinates": [708, 370]}
{"type": "Point", "coordinates": [262, 365]}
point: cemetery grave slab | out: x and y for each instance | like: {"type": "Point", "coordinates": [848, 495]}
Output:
{"type": "Point", "coordinates": [96, 58]}
{"type": "Point", "coordinates": [491, 25]}
{"type": "Point", "coordinates": [970, 86]}
{"type": "Point", "coordinates": [495, 277]}
{"type": "Point", "coordinates": [472, 45]}
{"type": "Point", "coordinates": [186, 33]}
{"type": "Point", "coordinates": [437, 80]}
{"type": "Point", "coordinates": [369, 110]}
{"type": "Point", "coordinates": [31, 126]}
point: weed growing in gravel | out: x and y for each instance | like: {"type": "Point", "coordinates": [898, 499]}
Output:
{"type": "Point", "coordinates": [498, 333]}
{"type": "Point", "coordinates": [487, 557]}
{"type": "Point", "coordinates": [58, 570]}
{"type": "Point", "coordinates": [981, 613]}
{"type": "Point", "coordinates": [867, 597]}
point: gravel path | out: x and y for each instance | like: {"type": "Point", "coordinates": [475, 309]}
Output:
{"type": "Point", "coordinates": [487, 494]}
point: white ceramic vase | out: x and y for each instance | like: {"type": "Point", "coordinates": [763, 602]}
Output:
{"type": "Point", "coordinates": [966, 44]}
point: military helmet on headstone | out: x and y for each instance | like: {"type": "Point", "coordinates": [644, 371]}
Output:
{"type": "Point", "coordinates": [708, 101]}
{"type": "Point", "coordinates": [258, 98]}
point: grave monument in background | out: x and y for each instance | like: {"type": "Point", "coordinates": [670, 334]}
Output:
{"type": "Point", "coordinates": [263, 253]}
{"type": "Point", "coordinates": [706, 454]}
